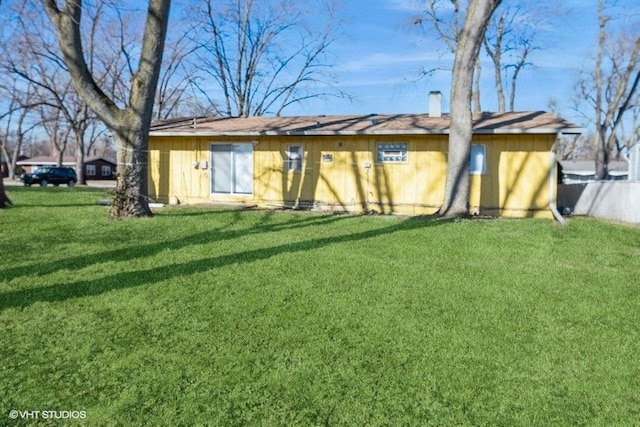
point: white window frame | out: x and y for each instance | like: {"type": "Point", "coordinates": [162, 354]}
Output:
{"type": "Point", "coordinates": [477, 150]}
{"type": "Point", "coordinates": [295, 150]}
{"type": "Point", "coordinates": [392, 152]}
{"type": "Point", "coordinates": [106, 170]}
{"type": "Point", "coordinates": [91, 170]}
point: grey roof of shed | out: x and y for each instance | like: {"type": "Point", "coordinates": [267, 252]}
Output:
{"type": "Point", "coordinates": [588, 167]}
{"type": "Point", "coordinates": [530, 122]}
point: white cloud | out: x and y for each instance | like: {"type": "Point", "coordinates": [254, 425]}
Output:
{"type": "Point", "coordinates": [381, 60]}
{"type": "Point", "coordinates": [403, 5]}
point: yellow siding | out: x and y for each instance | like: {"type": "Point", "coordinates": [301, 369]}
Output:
{"type": "Point", "coordinates": [516, 182]}
{"type": "Point", "coordinates": [524, 176]}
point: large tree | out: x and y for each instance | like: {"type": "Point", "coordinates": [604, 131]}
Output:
{"type": "Point", "coordinates": [446, 19]}
{"type": "Point", "coordinates": [38, 63]}
{"type": "Point", "coordinates": [130, 123]}
{"type": "Point", "coordinates": [470, 39]}
{"type": "Point", "coordinates": [612, 88]}
{"type": "Point", "coordinates": [514, 32]}
{"type": "Point", "coordinates": [509, 42]}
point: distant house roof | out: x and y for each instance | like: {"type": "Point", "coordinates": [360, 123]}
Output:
{"type": "Point", "coordinates": [533, 122]}
{"type": "Point", "coordinates": [53, 160]}
{"type": "Point", "coordinates": [588, 167]}
{"type": "Point", "coordinates": [47, 160]}
{"type": "Point", "coordinates": [99, 158]}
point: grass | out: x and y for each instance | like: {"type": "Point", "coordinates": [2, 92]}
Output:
{"type": "Point", "coordinates": [204, 316]}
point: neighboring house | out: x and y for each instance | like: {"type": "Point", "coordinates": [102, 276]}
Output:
{"type": "Point", "coordinates": [99, 168]}
{"type": "Point", "coordinates": [383, 163]}
{"type": "Point", "coordinates": [583, 171]}
{"type": "Point", "coordinates": [95, 168]}
{"type": "Point", "coordinates": [31, 164]}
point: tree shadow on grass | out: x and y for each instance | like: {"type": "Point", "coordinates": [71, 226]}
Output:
{"type": "Point", "coordinates": [74, 205]}
{"type": "Point", "coordinates": [131, 279]}
{"type": "Point", "coordinates": [265, 225]}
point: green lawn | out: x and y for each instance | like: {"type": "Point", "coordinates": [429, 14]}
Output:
{"type": "Point", "coordinates": [226, 317]}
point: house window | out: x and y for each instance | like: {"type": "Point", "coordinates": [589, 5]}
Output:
{"type": "Point", "coordinates": [295, 156]}
{"type": "Point", "coordinates": [106, 170]}
{"type": "Point", "coordinates": [91, 170]}
{"type": "Point", "coordinates": [478, 159]}
{"type": "Point", "coordinates": [392, 152]}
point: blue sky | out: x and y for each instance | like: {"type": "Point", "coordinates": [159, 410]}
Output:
{"type": "Point", "coordinates": [379, 58]}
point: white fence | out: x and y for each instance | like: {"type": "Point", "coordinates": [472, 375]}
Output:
{"type": "Point", "coordinates": [613, 200]}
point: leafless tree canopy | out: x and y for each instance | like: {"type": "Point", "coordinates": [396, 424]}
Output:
{"type": "Point", "coordinates": [611, 89]}
{"type": "Point", "coordinates": [510, 39]}
{"type": "Point", "coordinates": [259, 57]}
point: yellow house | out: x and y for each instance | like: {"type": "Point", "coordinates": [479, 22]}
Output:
{"type": "Point", "coordinates": [382, 163]}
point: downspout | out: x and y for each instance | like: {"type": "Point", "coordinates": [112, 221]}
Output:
{"type": "Point", "coordinates": [553, 179]}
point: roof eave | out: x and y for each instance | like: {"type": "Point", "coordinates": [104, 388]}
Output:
{"type": "Point", "coordinates": [383, 132]}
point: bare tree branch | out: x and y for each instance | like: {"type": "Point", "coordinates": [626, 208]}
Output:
{"type": "Point", "coordinates": [264, 56]}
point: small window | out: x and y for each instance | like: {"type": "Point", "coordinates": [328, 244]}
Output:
{"type": "Point", "coordinates": [91, 170]}
{"type": "Point", "coordinates": [106, 170]}
{"type": "Point", "coordinates": [478, 159]}
{"type": "Point", "coordinates": [295, 156]}
{"type": "Point", "coordinates": [392, 152]}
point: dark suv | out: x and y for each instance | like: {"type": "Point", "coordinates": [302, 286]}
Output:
{"type": "Point", "coordinates": [56, 176]}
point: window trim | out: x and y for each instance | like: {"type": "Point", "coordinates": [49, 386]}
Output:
{"type": "Point", "coordinates": [484, 160]}
{"type": "Point", "coordinates": [391, 144]}
{"type": "Point", "coordinates": [91, 170]}
{"type": "Point", "coordinates": [289, 161]}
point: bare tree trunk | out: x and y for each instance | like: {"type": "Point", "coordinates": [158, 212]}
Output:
{"type": "Point", "coordinates": [14, 160]}
{"type": "Point", "coordinates": [601, 148]}
{"type": "Point", "coordinates": [495, 53]}
{"type": "Point", "coordinates": [602, 156]}
{"type": "Point", "coordinates": [495, 50]}
{"type": "Point", "coordinates": [4, 200]}
{"type": "Point", "coordinates": [456, 200]}
{"type": "Point", "coordinates": [512, 93]}
{"type": "Point", "coordinates": [475, 94]}
{"type": "Point", "coordinates": [4, 154]}
{"type": "Point", "coordinates": [78, 133]}
{"type": "Point", "coordinates": [131, 191]}
{"type": "Point", "coordinates": [501, 100]}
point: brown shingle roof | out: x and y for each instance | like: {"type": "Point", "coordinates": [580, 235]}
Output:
{"type": "Point", "coordinates": [373, 124]}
